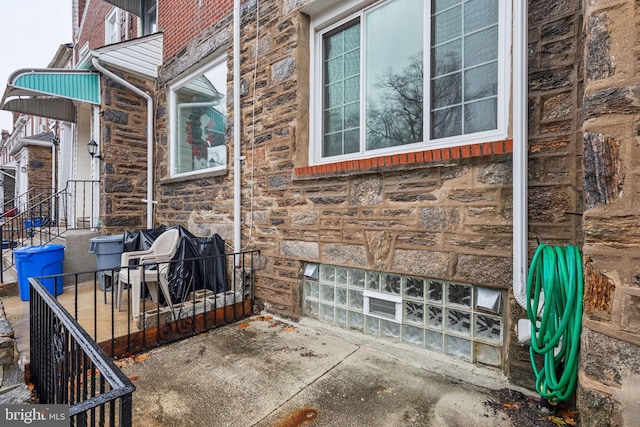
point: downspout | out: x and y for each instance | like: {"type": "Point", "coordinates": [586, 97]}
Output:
{"type": "Point", "coordinates": [520, 150]}
{"type": "Point", "coordinates": [236, 127]}
{"type": "Point", "coordinates": [149, 200]}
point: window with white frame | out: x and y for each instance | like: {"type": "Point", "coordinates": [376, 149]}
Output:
{"type": "Point", "coordinates": [149, 17]}
{"type": "Point", "coordinates": [407, 75]}
{"type": "Point", "coordinates": [199, 119]}
{"type": "Point", "coordinates": [112, 26]}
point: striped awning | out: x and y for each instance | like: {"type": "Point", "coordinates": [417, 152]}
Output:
{"type": "Point", "coordinates": [50, 92]}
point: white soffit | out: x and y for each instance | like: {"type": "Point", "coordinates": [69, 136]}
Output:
{"type": "Point", "coordinates": [142, 56]}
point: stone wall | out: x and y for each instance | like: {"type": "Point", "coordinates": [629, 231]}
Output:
{"type": "Point", "coordinates": [610, 354]}
{"type": "Point", "coordinates": [123, 167]}
{"type": "Point", "coordinates": [444, 214]}
{"type": "Point", "coordinates": [555, 142]}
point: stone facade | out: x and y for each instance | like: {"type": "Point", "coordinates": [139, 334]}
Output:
{"type": "Point", "coordinates": [610, 353]}
{"type": "Point", "coordinates": [445, 215]}
{"type": "Point", "coordinates": [123, 182]}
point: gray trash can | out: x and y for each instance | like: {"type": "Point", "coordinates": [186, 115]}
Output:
{"type": "Point", "coordinates": [108, 250]}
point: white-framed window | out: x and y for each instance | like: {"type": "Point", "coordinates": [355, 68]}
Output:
{"type": "Point", "coordinates": [198, 119]}
{"type": "Point", "coordinates": [150, 17]}
{"type": "Point", "coordinates": [112, 25]}
{"type": "Point", "coordinates": [408, 75]}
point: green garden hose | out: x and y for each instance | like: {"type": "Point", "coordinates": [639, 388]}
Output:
{"type": "Point", "coordinates": [554, 307]}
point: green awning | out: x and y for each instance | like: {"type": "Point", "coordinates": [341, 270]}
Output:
{"type": "Point", "coordinates": [50, 92]}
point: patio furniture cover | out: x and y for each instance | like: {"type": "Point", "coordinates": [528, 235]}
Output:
{"type": "Point", "coordinates": [199, 262]}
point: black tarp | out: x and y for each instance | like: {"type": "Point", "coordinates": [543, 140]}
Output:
{"type": "Point", "coordinates": [186, 274]}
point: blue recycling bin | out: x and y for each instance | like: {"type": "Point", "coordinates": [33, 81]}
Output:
{"type": "Point", "coordinates": [34, 222]}
{"type": "Point", "coordinates": [36, 261]}
{"type": "Point", "coordinates": [108, 251]}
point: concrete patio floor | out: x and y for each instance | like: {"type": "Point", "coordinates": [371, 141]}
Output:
{"type": "Point", "coordinates": [273, 372]}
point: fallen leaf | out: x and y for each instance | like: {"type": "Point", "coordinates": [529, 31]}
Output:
{"type": "Point", "coordinates": [264, 318]}
{"type": "Point", "coordinates": [273, 324]}
{"type": "Point", "coordinates": [134, 378]}
{"type": "Point", "coordinates": [559, 421]}
{"type": "Point", "coordinates": [31, 387]}
{"type": "Point", "coordinates": [511, 405]}
{"type": "Point", "coordinates": [243, 325]}
{"type": "Point", "coordinates": [568, 415]}
{"type": "Point", "coordinates": [289, 328]}
{"type": "Point", "coordinates": [140, 357]}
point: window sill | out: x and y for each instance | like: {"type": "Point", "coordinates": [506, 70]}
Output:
{"type": "Point", "coordinates": [403, 160]}
{"type": "Point", "coordinates": [194, 176]}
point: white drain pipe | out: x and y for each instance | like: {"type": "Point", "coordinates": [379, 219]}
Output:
{"type": "Point", "coordinates": [149, 200]}
{"type": "Point", "coordinates": [520, 152]}
{"type": "Point", "coordinates": [237, 223]}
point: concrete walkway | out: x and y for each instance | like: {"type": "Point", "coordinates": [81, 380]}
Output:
{"type": "Point", "coordinates": [270, 372]}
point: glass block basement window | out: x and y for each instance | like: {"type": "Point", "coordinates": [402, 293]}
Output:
{"type": "Point", "coordinates": [455, 319]}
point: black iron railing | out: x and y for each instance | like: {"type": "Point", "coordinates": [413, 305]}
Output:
{"type": "Point", "coordinates": [41, 217]}
{"type": "Point", "coordinates": [204, 293]}
{"type": "Point", "coordinates": [68, 367]}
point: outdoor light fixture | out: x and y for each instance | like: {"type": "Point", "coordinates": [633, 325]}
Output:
{"type": "Point", "coordinates": [93, 148]}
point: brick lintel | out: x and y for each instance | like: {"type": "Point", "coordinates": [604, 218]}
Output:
{"type": "Point", "coordinates": [484, 149]}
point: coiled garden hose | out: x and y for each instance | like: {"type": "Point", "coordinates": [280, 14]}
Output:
{"type": "Point", "coordinates": [554, 306]}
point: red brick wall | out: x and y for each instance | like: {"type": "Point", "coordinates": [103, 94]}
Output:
{"type": "Point", "coordinates": [92, 27]}
{"type": "Point", "coordinates": [182, 21]}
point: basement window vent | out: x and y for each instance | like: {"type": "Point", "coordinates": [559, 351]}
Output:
{"type": "Point", "coordinates": [383, 306]}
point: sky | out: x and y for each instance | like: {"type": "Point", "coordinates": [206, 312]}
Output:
{"type": "Point", "coordinates": [30, 33]}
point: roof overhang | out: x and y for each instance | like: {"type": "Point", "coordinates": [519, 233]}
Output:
{"type": "Point", "coordinates": [141, 56]}
{"type": "Point", "coordinates": [133, 6]}
{"type": "Point", "coordinates": [50, 92]}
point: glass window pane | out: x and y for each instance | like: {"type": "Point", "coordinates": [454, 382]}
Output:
{"type": "Point", "coordinates": [433, 341]}
{"type": "Point", "coordinates": [352, 64]}
{"type": "Point", "coordinates": [414, 287]}
{"type": "Point", "coordinates": [459, 322]}
{"type": "Point", "coordinates": [440, 5]}
{"type": "Point", "coordinates": [459, 294]}
{"type": "Point", "coordinates": [391, 284]}
{"type": "Point", "coordinates": [481, 82]}
{"type": "Point", "coordinates": [446, 91]}
{"type": "Point", "coordinates": [479, 14]}
{"type": "Point", "coordinates": [332, 145]}
{"type": "Point", "coordinates": [446, 122]}
{"type": "Point", "coordinates": [394, 74]}
{"type": "Point", "coordinates": [447, 25]}
{"type": "Point", "coordinates": [334, 45]}
{"type": "Point", "coordinates": [341, 96]}
{"type": "Point", "coordinates": [414, 312]}
{"type": "Point", "coordinates": [434, 316]}
{"type": "Point", "coordinates": [351, 116]}
{"type": "Point", "coordinates": [352, 90]}
{"type": "Point", "coordinates": [200, 121]}
{"type": "Point", "coordinates": [356, 278]}
{"type": "Point", "coordinates": [413, 335]}
{"type": "Point", "coordinates": [481, 47]}
{"type": "Point", "coordinates": [434, 291]}
{"type": "Point", "coordinates": [333, 120]}
{"type": "Point", "coordinates": [480, 116]}
{"type": "Point", "coordinates": [446, 58]}
{"type": "Point", "coordinates": [488, 327]}
{"type": "Point", "coordinates": [351, 141]}
{"type": "Point", "coordinates": [352, 38]}
{"type": "Point", "coordinates": [333, 95]}
{"type": "Point", "coordinates": [356, 300]}
{"type": "Point", "coordinates": [458, 347]}
{"type": "Point", "coordinates": [334, 69]}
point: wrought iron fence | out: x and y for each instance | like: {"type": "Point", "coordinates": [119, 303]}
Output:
{"type": "Point", "coordinates": [199, 294]}
{"type": "Point", "coordinates": [41, 217]}
{"type": "Point", "coordinates": [68, 367]}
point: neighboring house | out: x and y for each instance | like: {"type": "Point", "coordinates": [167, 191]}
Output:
{"type": "Point", "coordinates": [394, 181]}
